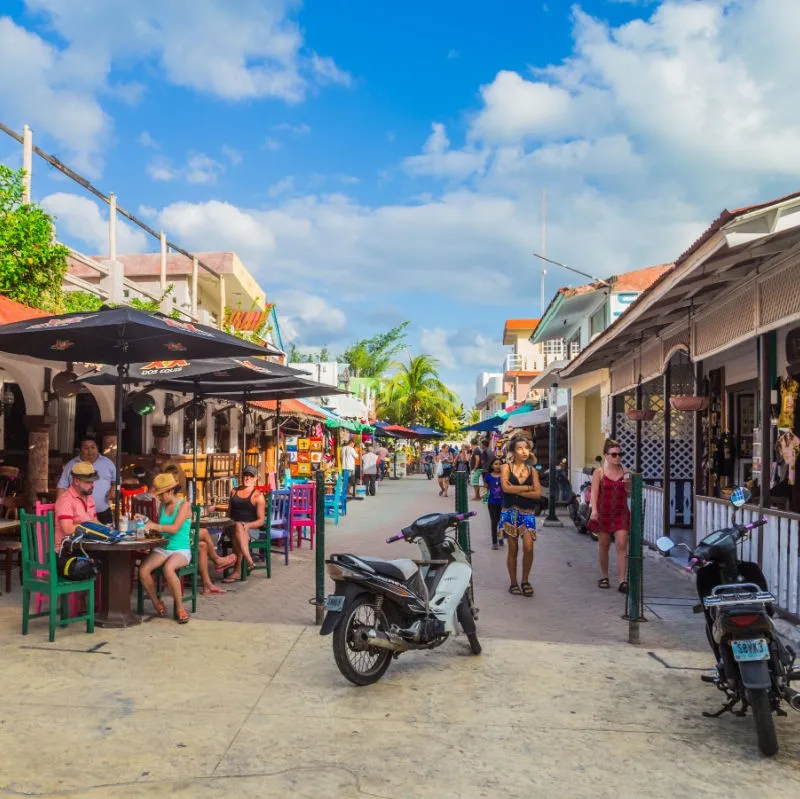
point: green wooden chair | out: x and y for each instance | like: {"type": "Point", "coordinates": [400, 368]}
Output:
{"type": "Point", "coordinates": [40, 576]}
{"type": "Point", "coordinates": [190, 571]}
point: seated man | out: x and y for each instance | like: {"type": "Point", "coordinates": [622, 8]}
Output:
{"type": "Point", "coordinates": [75, 504]}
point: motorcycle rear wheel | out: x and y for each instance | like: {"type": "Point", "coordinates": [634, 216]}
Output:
{"type": "Point", "coordinates": [360, 666]}
{"type": "Point", "coordinates": [764, 721]}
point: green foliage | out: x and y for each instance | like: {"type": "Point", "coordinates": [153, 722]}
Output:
{"type": "Point", "coordinates": [32, 264]}
{"type": "Point", "coordinates": [371, 357]}
{"type": "Point", "coordinates": [414, 394]}
{"type": "Point", "coordinates": [80, 302]}
{"type": "Point", "coordinates": [295, 356]}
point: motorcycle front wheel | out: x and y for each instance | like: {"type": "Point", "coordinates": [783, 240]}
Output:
{"type": "Point", "coordinates": [764, 721]}
{"type": "Point", "coordinates": [362, 666]}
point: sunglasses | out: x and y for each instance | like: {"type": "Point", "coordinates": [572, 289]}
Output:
{"type": "Point", "coordinates": [614, 454]}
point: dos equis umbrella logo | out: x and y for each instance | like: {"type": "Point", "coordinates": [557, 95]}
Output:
{"type": "Point", "coordinates": [188, 327]}
{"type": "Point", "coordinates": [163, 367]}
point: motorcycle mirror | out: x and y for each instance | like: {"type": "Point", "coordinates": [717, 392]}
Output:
{"type": "Point", "coordinates": [665, 545]}
{"type": "Point", "coordinates": [740, 497]}
{"type": "Point", "coordinates": [538, 467]}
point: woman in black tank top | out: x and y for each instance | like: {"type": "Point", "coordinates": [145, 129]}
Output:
{"type": "Point", "coordinates": [521, 490]}
{"type": "Point", "coordinates": [248, 510]}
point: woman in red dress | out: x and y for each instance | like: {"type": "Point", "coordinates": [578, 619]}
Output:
{"type": "Point", "coordinates": [611, 516]}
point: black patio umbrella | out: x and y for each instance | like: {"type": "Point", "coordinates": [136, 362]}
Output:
{"type": "Point", "coordinates": [119, 337]}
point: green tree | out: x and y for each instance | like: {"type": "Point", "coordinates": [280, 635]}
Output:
{"type": "Point", "coordinates": [470, 417]}
{"type": "Point", "coordinates": [32, 264]}
{"type": "Point", "coordinates": [414, 394]}
{"type": "Point", "coordinates": [323, 356]}
{"type": "Point", "coordinates": [371, 357]}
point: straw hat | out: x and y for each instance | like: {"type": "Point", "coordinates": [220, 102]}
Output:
{"type": "Point", "coordinates": [164, 482]}
{"type": "Point", "coordinates": [84, 470]}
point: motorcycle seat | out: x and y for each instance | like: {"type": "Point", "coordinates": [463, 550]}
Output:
{"type": "Point", "coordinates": [402, 569]}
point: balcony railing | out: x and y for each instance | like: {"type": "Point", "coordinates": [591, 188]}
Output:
{"type": "Point", "coordinates": [515, 362]}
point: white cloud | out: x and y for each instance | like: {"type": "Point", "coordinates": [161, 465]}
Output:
{"type": "Point", "coordinates": [459, 349]}
{"type": "Point", "coordinates": [300, 129]}
{"type": "Point", "coordinates": [438, 160]}
{"type": "Point", "coordinates": [282, 187]}
{"type": "Point", "coordinates": [199, 169]}
{"type": "Point", "coordinates": [324, 67]}
{"type": "Point", "coordinates": [273, 145]}
{"type": "Point", "coordinates": [308, 317]}
{"type": "Point", "coordinates": [53, 94]}
{"type": "Point", "coordinates": [233, 155]}
{"type": "Point", "coordinates": [146, 140]}
{"type": "Point", "coordinates": [79, 218]}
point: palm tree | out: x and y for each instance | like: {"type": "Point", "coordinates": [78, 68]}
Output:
{"type": "Point", "coordinates": [414, 394]}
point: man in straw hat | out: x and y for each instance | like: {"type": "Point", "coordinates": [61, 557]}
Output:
{"type": "Point", "coordinates": [75, 505]}
{"type": "Point", "coordinates": [174, 522]}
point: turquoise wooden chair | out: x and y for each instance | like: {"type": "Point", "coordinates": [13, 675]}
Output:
{"type": "Point", "coordinates": [334, 503]}
{"type": "Point", "coordinates": [276, 528]}
{"type": "Point", "coordinates": [40, 576]}
{"type": "Point", "coordinates": [189, 571]}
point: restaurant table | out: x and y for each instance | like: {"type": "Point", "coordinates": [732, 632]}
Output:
{"type": "Point", "coordinates": [215, 521]}
{"type": "Point", "coordinates": [116, 579]}
{"type": "Point", "coordinates": [9, 528]}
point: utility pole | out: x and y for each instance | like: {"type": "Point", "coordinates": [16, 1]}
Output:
{"type": "Point", "coordinates": [543, 256]}
{"type": "Point", "coordinates": [552, 520]}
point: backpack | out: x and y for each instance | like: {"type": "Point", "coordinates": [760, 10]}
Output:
{"type": "Point", "coordinates": [72, 565]}
{"type": "Point", "coordinates": [96, 533]}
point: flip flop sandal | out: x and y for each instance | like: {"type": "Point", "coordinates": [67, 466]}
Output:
{"type": "Point", "coordinates": [623, 587]}
{"type": "Point", "coordinates": [183, 616]}
{"type": "Point", "coordinates": [527, 589]}
{"type": "Point", "coordinates": [225, 563]}
{"type": "Point", "coordinates": [603, 583]}
{"type": "Point", "coordinates": [515, 589]}
{"type": "Point", "coordinates": [161, 610]}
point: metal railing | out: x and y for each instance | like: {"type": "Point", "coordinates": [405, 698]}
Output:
{"type": "Point", "coordinates": [775, 547]}
{"type": "Point", "coordinates": [653, 514]}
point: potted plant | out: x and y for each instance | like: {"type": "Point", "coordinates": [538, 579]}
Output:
{"type": "Point", "coordinates": [640, 414]}
{"type": "Point", "coordinates": [688, 402]}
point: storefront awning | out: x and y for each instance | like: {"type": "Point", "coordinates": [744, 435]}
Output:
{"type": "Point", "coordinates": [532, 418]}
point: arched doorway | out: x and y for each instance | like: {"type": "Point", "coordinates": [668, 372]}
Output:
{"type": "Point", "coordinates": [87, 418]}
{"type": "Point", "coordinates": [16, 435]}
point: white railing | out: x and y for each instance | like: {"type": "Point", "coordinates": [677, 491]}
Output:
{"type": "Point", "coordinates": [653, 513]}
{"type": "Point", "coordinates": [515, 362]}
{"type": "Point", "coordinates": [778, 542]}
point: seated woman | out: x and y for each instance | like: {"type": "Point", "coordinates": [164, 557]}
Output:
{"type": "Point", "coordinates": [174, 522]}
{"type": "Point", "coordinates": [248, 511]}
{"type": "Point", "coordinates": [207, 550]}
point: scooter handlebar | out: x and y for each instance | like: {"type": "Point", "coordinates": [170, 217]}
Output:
{"type": "Point", "coordinates": [753, 525]}
{"type": "Point", "coordinates": [394, 538]}
{"type": "Point", "coordinates": [462, 517]}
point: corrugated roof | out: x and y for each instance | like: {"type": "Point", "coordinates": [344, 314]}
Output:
{"type": "Point", "coordinates": [252, 321]}
{"type": "Point", "coordinates": [13, 311]}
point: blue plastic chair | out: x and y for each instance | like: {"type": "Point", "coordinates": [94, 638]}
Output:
{"type": "Point", "coordinates": [333, 502]}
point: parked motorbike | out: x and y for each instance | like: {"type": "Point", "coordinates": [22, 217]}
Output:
{"type": "Point", "coordinates": [565, 496]}
{"type": "Point", "coordinates": [428, 466]}
{"type": "Point", "coordinates": [383, 608]}
{"type": "Point", "coordinates": [584, 510]}
{"type": "Point", "coordinates": [754, 666]}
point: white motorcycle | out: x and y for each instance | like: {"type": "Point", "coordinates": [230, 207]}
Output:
{"type": "Point", "coordinates": [382, 608]}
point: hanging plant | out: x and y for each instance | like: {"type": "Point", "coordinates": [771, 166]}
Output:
{"type": "Point", "coordinates": [640, 415]}
{"type": "Point", "coordinates": [689, 403]}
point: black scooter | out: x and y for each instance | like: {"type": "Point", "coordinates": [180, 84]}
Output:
{"type": "Point", "coordinates": [754, 666]}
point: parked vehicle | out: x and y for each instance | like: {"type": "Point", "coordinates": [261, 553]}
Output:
{"type": "Point", "coordinates": [584, 509]}
{"type": "Point", "coordinates": [383, 608]}
{"type": "Point", "coordinates": [428, 466]}
{"type": "Point", "coordinates": [754, 666]}
{"type": "Point", "coordinates": [565, 496]}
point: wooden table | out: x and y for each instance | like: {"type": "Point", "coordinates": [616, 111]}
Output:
{"type": "Point", "coordinates": [9, 527]}
{"type": "Point", "coordinates": [215, 521]}
{"type": "Point", "coordinates": [116, 604]}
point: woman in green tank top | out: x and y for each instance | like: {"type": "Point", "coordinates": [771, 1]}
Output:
{"type": "Point", "coordinates": [174, 522]}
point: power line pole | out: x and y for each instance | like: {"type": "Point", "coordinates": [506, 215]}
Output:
{"type": "Point", "coordinates": [543, 256]}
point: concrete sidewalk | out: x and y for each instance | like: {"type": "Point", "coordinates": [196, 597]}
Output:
{"type": "Point", "coordinates": [558, 705]}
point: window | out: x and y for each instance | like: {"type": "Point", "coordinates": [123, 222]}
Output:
{"type": "Point", "coordinates": [554, 347]}
{"type": "Point", "coordinates": [574, 348]}
{"type": "Point", "coordinates": [597, 323]}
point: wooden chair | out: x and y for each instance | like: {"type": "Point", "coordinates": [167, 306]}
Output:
{"type": "Point", "coordinates": [276, 528]}
{"type": "Point", "coordinates": [303, 511]}
{"type": "Point", "coordinates": [126, 497]}
{"type": "Point", "coordinates": [333, 502]}
{"type": "Point", "coordinates": [145, 507]}
{"type": "Point", "coordinates": [40, 575]}
{"type": "Point", "coordinates": [189, 571]}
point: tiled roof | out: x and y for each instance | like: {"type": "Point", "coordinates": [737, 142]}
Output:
{"type": "Point", "coordinates": [289, 407]}
{"type": "Point", "coordinates": [521, 324]}
{"type": "Point", "coordinates": [252, 321]}
{"type": "Point", "coordinates": [13, 311]}
{"type": "Point", "coordinates": [639, 279]}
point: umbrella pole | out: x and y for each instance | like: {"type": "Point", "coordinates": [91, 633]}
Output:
{"type": "Point", "coordinates": [122, 372]}
{"type": "Point", "coordinates": [277, 442]}
{"type": "Point", "coordinates": [194, 450]}
{"type": "Point", "coordinates": [244, 433]}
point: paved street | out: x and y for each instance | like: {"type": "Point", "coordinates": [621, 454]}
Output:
{"type": "Point", "coordinates": [246, 699]}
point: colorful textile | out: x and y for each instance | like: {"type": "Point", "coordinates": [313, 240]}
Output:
{"type": "Point", "coordinates": [515, 523]}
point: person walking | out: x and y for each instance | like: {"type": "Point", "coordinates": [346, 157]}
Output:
{"type": "Point", "coordinates": [611, 517]}
{"type": "Point", "coordinates": [475, 472]}
{"type": "Point", "coordinates": [383, 462]}
{"type": "Point", "coordinates": [369, 469]}
{"type": "Point", "coordinates": [521, 490]}
{"type": "Point", "coordinates": [348, 467]}
{"type": "Point", "coordinates": [494, 498]}
{"type": "Point", "coordinates": [444, 470]}
{"type": "Point", "coordinates": [462, 461]}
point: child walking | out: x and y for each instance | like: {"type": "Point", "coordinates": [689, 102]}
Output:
{"type": "Point", "coordinates": [494, 498]}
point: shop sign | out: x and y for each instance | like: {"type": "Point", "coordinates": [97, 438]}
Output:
{"type": "Point", "coordinates": [793, 348]}
{"type": "Point", "coordinates": [620, 302]}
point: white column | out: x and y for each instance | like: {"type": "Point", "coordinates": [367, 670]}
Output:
{"type": "Point", "coordinates": [222, 301]}
{"type": "Point", "coordinates": [27, 163]}
{"type": "Point", "coordinates": [194, 286]}
{"type": "Point", "coordinates": [165, 304]}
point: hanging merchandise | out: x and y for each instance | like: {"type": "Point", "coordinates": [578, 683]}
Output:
{"type": "Point", "coordinates": [788, 448]}
{"type": "Point", "coordinates": [790, 388]}
{"type": "Point", "coordinates": [291, 443]}
{"type": "Point", "coordinates": [303, 469]}
{"type": "Point", "coordinates": [315, 444]}
{"type": "Point", "coordinates": [291, 456]}
{"type": "Point", "coordinates": [303, 444]}
{"type": "Point", "coordinates": [316, 457]}
{"type": "Point", "coordinates": [303, 457]}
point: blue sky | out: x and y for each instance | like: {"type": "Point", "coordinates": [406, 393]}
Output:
{"type": "Point", "coordinates": [374, 162]}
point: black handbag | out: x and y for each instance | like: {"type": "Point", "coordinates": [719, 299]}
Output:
{"type": "Point", "coordinates": [73, 563]}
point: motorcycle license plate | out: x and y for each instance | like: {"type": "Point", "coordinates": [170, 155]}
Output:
{"type": "Point", "coordinates": [755, 649]}
{"type": "Point", "coordinates": [334, 602]}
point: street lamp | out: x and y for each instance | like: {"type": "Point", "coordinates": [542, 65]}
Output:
{"type": "Point", "coordinates": [551, 504]}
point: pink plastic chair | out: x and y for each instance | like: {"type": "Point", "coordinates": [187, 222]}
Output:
{"type": "Point", "coordinates": [303, 511]}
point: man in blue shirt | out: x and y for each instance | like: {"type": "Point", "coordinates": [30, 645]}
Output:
{"type": "Point", "coordinates": [107, 475]}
